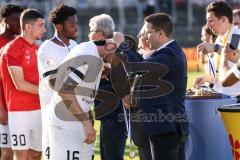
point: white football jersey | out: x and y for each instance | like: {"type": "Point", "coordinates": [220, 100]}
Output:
{"type": "Point", "coordinates": [83, 66]}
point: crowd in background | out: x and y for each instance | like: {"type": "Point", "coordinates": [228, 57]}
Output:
{"type": "Point", "coordinates": [48, 89]}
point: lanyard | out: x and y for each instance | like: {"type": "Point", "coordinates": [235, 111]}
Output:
{"type": "Point", "coordinates": [128, 124]}
{"type": "Point", "coordinates": [55, 36]}
{"type": "Point", "coordinates": [217, 62]}
{"type": "Point", "coordinates": [129, 130]}
{"type": "Point", "coordinates": [128, 118]}
{"type": "Point", "coordinates": [211, 67]}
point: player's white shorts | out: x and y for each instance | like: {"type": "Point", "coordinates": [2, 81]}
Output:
{"type": "Point", "coordinates": [67, 144]}
{"type": "Point", "coordinates": [5, 139]}
{"type": "Point", "coordinates": [26, 130]}
{"type": "Point", "coordinates": [45, 133]}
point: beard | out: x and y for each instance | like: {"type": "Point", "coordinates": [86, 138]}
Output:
{"type": "Point", "coordinates": [69, 35]}
{"type": "Point", "coordinates": [72, 37]}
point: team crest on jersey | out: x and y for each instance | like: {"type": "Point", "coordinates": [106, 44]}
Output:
{"type": "Point", "coordinates": [50, 62]}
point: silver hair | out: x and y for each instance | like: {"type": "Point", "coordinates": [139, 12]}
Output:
{"type": "Point", "coordinates": [102, 23]}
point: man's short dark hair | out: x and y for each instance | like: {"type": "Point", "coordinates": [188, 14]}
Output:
{"type": "Point", "coordinates": [8, 9]}
{"type": "Point", "coordinates": [161, 21]}
{"type": "Point", "coordinates": [60, 14]}
{"type": "Point", "coordinates": [29, 15]}
{"type": "Point", "coordinates": [221, 8]}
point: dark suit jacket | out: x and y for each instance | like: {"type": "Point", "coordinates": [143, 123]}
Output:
{"type": "Point", "coordinates": [168, 105]}
{"type": "Point", "coordinates": [172, 57]}
{"type": "Point", "coordinates": [171, 104]}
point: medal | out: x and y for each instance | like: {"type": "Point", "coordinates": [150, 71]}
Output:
{"type": "Point", "coordinates": [132, 154]}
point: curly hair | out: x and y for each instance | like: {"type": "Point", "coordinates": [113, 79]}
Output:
{"type": "Point", "coordinates": [60, 14]}
{"type": "Point", "coordinates": [8, 9]}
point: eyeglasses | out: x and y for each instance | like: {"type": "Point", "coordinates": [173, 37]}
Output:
{"type": "Point", "coordinates": [149, 32]}
{"type": "Point", "coordinates": [142, 35]}
{"type": "Point", "coordinates": [236, 23]}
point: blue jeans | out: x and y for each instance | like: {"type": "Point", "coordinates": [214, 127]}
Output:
{"type": "Point", "coordinates": [113, 135]}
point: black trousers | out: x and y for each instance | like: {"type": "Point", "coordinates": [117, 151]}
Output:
{"type": "Point", "coordinates": [168, 146]}
{"type": "Point", "coordinates": [141, 138]}
{"type": "Point", "coordinates": [145, 153]}
{"type": "Point", "coordinates": [113, 135]}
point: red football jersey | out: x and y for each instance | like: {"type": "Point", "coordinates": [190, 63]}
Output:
{"type": "Point", "coordinates": [3, 42]}
{"type": "Point", "coordinates": [22, 54]}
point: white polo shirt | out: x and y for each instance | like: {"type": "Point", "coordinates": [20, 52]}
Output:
{"type": "Point", "coordinates": [234, 89]}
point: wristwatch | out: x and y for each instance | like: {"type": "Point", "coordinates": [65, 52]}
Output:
{"type": "Point", "coordinates": [216, 47]}
{"type": "Point", "coordinates": [236, 70]}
